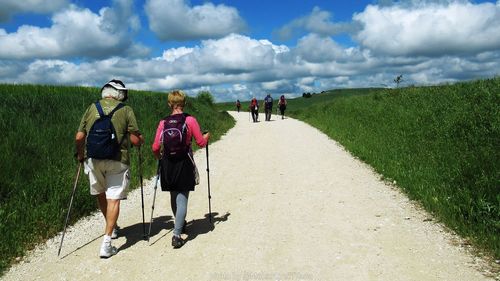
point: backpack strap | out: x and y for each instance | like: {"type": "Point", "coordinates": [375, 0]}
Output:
{"type": "Point", "coordinates": [99, 109]}
{"type": "Point", "coordinates": [120, 105]}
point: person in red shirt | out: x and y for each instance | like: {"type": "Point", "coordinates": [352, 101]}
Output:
{"type": "Point", "coordinates": [178, 172]}
{"type": "Point", "coordinates": [238, 105]}
{"type": "Point", "coordinates": [282, 106]}
{"type": "Point", "coordinates": [254, 108]}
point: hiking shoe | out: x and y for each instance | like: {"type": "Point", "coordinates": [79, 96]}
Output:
{"type": "Point", "coordinates": [107, 250]}
{"type": "Point", "coordinates": [177, 242]}
{"type": "Point", "coordinates": [114, 234]}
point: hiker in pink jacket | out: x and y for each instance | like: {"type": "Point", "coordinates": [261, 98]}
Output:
{"type": "Point", "coordinates": [172, 146]}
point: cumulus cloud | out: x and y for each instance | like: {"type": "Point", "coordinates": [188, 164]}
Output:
{"type": "Point", "coordinates": [232, 59]}
{"type": "Point", "coordinates": [317, 49]}
{"type": "Point", "coordinates": [430, 29]}
{"type": "Point", "coordinates": [291, 77]}
{"type": "Point", "coordinates": [11, 7]}
{"type": "Point", "coordinates": [318, 22]}
{"type": "Point", "coordinates": [76, 32]}
{"type": "Point", "coordinates": [279, 86]}
{"type": "Point", "coordinates": [237, 66]}
{"type": "Point", "coordinates": [10, 70]}
{"type": "Point", "coordinates": [176, 20]}
{"type": "Point", "coordinates": [171, 55]}
{"type": "Point", "coordinates": [232, 54]}
{"type": "Point", "coordinates": [238, 53]}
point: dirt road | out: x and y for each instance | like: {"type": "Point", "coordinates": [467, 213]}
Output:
{"type": "Point", "coordinates": [290, 204]}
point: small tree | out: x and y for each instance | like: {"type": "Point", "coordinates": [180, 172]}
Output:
{"type": "Point", "coordinates": [206, 97]}
{"type": "Point", "coordinates": [398, 80]}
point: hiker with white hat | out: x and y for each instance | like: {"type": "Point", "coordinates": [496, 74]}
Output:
{"type": "Point", "coordinates": [106, 130]}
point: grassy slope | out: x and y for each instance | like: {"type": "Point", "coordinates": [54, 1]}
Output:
{"type": "Point", "coordinates": [37, 169]}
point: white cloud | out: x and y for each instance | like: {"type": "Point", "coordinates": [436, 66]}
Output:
{"type": "Point", "coordinates": [318, 22]}
{"type": "Point", "coordinates": [176, 20]}
{"type": "Point", "coordinates": [232, 67]}
{"type": "Point", "coordinates": [291, 77]}
{"type": "Point", "coordinates": [231, 55]}
{"type": "Point", "coordinates": [231, 59]}
{"type": "Point", "coordinates": [277, 85]}
{"type": "Point", "coordinates": [278, 49]}
{"type": "Point", "coordinates": [306, 84]}
{"type": "Point", "coordinates": [430, 29]}
{"type": "Point", "coordinates": [237, 52]}
{"type": "Point", "coordinates": [239, 87]}
{"type": "Point", "coordinates": [10, 70]}
{"type": "Point", "coordinates": [53, 72]}
{"type": "Point", "coordinates": [314, 48]}
{"type": "Point", "coordinates": [171, 55]}
{"type": "Point", "coordinates": [75, 32]}
{"type": "Point", "coordinates": [10, 7]}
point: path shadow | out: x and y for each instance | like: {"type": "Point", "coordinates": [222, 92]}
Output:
{"type": "Point", "coordinates": [80, 247]}
{"type": "Point", "coordinates": [135, 233]}
{"type": "Point", "coordinates": [202, 226]}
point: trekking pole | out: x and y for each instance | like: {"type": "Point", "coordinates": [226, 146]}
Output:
{"type": "Point", "coordinates": [154, 198]}
{"type": "Point", "coordinates": [69, 208]}
{"type": "Point", "coordinates": [142, 193]}
{"type": "Point", "coordinates": [208, 181]}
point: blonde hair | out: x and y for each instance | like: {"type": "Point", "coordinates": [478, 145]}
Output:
{"type": "Point", "coordinates": [176, 98]}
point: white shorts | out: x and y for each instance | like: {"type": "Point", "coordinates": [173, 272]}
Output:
{"type": "Point", "coordinates": [110, 176]}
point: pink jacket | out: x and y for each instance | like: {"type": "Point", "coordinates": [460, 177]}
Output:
{"type": "Point", "coordinates": [193, 130]}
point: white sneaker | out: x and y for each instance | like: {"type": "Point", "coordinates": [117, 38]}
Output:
{"type": "Point", "coordinates": [107, 250]}
{"type": "Point", "coordinates": [114, 234]}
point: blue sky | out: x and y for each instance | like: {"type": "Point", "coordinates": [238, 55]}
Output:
{"type": "Point", "coordinates": [238, 49]}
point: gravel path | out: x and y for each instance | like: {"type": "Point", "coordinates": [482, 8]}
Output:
{"type": "Point", "coordinates": [289, 204]}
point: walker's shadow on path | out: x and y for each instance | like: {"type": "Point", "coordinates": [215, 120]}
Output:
{"type": "Point", "coordinates": [134, 233]}
{"type": "Point", "coordinates": [82, 246]}
{"type": "Point", "coordinates": [202, 226]}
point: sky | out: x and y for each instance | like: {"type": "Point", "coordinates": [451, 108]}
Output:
{"type": "Point", "coordinates": [238, 49]}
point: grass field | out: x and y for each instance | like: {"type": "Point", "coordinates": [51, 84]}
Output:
{"type": "Point", "coordinates": [37, 164]}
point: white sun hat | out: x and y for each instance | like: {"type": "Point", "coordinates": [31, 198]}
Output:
{"type": "Point", "coordinates": [117, 84]}
{"type": "Point", "coordinates": [121, 92]}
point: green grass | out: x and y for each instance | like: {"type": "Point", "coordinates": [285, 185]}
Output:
{"type": "Point", "coordinates": [37, 167]}
{"type": "Point", "coordinates": [440, 144]}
